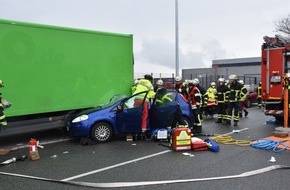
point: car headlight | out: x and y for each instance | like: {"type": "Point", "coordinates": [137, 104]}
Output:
{"type": "Point", "coordinates": [80, 118]}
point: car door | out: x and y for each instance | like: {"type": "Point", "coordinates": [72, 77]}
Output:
{"type": "Point", "coordinates": [129, 116]}
{"type": "Point", "coordinates": [161, 116]}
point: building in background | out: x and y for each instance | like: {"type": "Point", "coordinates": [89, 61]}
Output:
{"type": "Point", "coordinates": [247, 69]}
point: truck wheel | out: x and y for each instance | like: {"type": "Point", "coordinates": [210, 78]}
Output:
{"type": "Point", "coordinates": [102, 132]}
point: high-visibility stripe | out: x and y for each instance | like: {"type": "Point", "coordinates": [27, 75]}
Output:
{"type": "Point", "coordinates": [2, 117]}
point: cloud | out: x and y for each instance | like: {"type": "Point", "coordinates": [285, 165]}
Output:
{"type": "Point", "coordinates": [159, 51]}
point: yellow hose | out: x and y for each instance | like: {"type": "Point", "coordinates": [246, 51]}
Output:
{"type": "Point", "coordinates": [228, 140]}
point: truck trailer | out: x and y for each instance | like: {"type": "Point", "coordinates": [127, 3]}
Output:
{"type": "Point", "coordinates": [51, 72]}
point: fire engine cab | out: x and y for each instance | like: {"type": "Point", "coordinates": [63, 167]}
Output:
{"type": "Point", "coordinates": [275, 72]}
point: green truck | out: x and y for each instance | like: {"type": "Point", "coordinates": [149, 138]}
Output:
{"type": "Point", "coordinates": [50, 71]}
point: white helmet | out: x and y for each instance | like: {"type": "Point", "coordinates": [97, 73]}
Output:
{"type": "Point", "coordinates": [196, 79]}
{"type": "Point", "coordinates": [178, 79]}
{"type": "Point", "coordinates": [241, 81]}
{"type": "Point", "coordinates": [194, 82]}
{"type": "Point", "coordinates": [221, 80]}
{"type": "Point", "coordinates": [233, 77]}
{"type": "Point", "coordinates": [212, 84]}
{"type": "Point", "coordinates": [159, 82]}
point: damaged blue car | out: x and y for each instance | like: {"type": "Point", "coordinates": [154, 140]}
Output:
{"type": "Point", "coordinates": [120, 116]}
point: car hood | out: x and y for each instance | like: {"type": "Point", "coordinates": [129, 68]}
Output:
{"type": "Point", "coordinates": [99, 108]}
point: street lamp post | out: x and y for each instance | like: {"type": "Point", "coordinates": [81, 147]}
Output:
{"type": "Point", "coordinates": [176, 40]}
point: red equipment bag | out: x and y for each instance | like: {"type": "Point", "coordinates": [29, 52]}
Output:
{"type": "Point", "coordinates": [181, 139]}
{"type": "Point", "coordinates": [198, 144]}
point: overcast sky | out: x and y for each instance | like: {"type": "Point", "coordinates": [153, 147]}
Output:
{"type": "Point", "coordinates": [208, 29]}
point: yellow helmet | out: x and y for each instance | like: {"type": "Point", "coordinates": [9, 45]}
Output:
{"type": "Point", "coordinates": [1, 84]}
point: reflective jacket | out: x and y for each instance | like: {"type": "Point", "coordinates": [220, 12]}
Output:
{"type": "Point", "coordinates": [162, 96]}
{"type": "Point", "coordinates": [222, 91]}
{"type": "Point", "coordinates": [259, 91]}
{"type": "Point", "coordinates": [235, 92]}
{"type": "Point", "coordinates": [145, 85]}
{"type": "Point", "coordinates": [243, 93]}
{"type": "Point", "coordinates": [181, 88]}
{"type": "Point", "coordinates": [210, 95]}
{"type": "Point", "coordinates": [194, 97]}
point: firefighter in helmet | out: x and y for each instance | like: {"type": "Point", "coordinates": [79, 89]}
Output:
{"type": "Point", "coordinates": [144, 85]}
{"type": "Point", "coordinates": [3, 104]}
{"type": "Point", "coordinates": [244, 94]}
{"type": "Point", "coordinates": [180, 87]}
{"type": "Point", "coordinates": [159, 84]}
{"type": "Point", "coordinates": [195, 100]}
{"type": "Point", "coordinates": [233, 98]}
{"type": "Point", "coordinates": [222, 91]}
{"type": "Point", "coordinates": [203, 94]}
{"type": "Point", "coordinates": [210, 99]}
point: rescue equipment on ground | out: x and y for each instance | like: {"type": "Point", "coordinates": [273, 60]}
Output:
{"type": "Point", "coordinates": [212, 145]}
{"type": "Point", "coordinates": [181, 139]}
{"type": "Point", "coordinates": [33, 152]}
{"type": "Point", "coordinates": [161, 134]}
{"type": "Point", "coordinates": [12, 160]}
{"type": "Point", "coordinates": [270, 145]}
{"type": "Point", "coordinates": [198, 144]}
{"type": "Point", "coordinates": [228, 140]}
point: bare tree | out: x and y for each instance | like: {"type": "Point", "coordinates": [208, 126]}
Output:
{"type": "Point", "coordinates": [282, 26]}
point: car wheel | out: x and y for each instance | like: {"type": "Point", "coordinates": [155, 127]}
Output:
{"type": "Point", "coordinates": [187, 121]}
{"type": "Point", "coordinates": [102, 132]}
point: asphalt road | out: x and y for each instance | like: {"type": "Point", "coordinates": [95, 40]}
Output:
{"type": "Point", "coordinates": [138, 161]}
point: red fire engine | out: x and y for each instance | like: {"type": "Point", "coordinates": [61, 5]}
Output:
{"type": "Point", "coordinates": [275, 64]}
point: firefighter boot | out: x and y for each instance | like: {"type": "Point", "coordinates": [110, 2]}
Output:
{"type": "Point", "coordinates": [235, 123]}
{"type": "Point", "coordinates": [246, 113]}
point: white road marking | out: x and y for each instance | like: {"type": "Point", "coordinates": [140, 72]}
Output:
{"type": "Point", "coordinates": [143, 183]}
{"type": "Point", "coordinates": [114, 166]}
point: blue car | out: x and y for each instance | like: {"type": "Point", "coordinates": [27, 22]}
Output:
{"type": "Point", "coordinates": [120, 116]}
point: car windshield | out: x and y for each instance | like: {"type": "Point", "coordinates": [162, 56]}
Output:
{"type": "Point", "coordinates": [113, 100]}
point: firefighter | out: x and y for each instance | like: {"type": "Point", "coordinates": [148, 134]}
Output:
{"type": "Point", "coordinates": [233, 98]}
{"type": "Point", "coordinates": [243, 99]}
{"type": "Point", "coordinates": [3, 122]}
{"type": "Point", "coordinates": [162, 97]}
{"type": "Point", "coordinates": [195, 100]}
{"type": "Point", "coordinates": [144, 85]}
{"type": "Point", "coordinates": [203, 92]}
{"type": "Point", "coordinates": [222, 91]}
{"type": "Point", "coordinates": [180, 87]}
{"type": "Point", "coordinates": [210, 100]}
{"type": "Point", "coordinates": [159, 84]}
{"type": "Point", "coordinates": [260, 94]}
